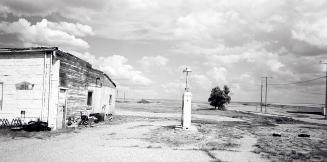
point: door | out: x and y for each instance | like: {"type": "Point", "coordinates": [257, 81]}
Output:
{"type": "Point", "coordinates": [62, 107]}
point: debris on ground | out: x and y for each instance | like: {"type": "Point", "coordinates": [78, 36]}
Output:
{"type": "Point", "coordinates": [276, 135]}
{"type": "Point", "coordinates": [303, 135]}
{"type": "Point", "coordinates": [97, 117]}
{"type": "Point", "coordinates": [36, 126]}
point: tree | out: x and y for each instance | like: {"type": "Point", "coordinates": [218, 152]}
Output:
{"type": "Point", "coordinates": [219, 98]}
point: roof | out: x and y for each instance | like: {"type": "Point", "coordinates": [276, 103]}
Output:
{"type": "Point", "coordinates": [30, 49]}
{"type": "Point", "coordinates": [45, 49]}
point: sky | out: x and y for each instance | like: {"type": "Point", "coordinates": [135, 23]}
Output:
{"type": "Point", "coordinates": [144, 45]}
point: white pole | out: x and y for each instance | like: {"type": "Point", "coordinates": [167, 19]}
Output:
{"type": "Point", "coordinates": [187, 104]}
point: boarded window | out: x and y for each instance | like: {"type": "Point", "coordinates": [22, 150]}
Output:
{"type": "Point", "coordinates": [110, 99]}
{"type": "Point", "coordinates": [89, 98]}
{"type": "Point", "coordinates": [1, 95]}
{"type": "Point", "coordinates": [24, 86]}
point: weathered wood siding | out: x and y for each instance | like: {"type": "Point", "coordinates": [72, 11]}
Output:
{"type": "Point", "coordinates": [79, 78]}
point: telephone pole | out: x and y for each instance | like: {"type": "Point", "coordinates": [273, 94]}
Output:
{"type": "Point", "coordinates": [326, 92]}
{"type": "Point", "coordinates": [325, 109]}
{"type": "Point", "coordinates": [266, 77]}
{"type": "Point", "coordinates": [124, 97]}
{"type": "Point", "coordinates": [261, 96]}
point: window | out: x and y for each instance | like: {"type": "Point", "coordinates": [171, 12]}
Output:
{"type": "Point", "coordinates": [89, 98]}
{"type": "Point", "coordinates": [98, 82]}
{"type": "Point", "coordinates": [24, 86]}
{"type": "Point", "coordinates": [1, 95]}
{"type": "Point", "coordinates": [110, 99]}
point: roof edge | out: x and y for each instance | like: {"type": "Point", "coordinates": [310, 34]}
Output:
{"type": "Point", "coordinates": [30, 49]}
{"type": "Point", "coordinates": [44, 49]}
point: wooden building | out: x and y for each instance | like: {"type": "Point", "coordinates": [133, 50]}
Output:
{"type": "Point", "coordinates": [51, 85]}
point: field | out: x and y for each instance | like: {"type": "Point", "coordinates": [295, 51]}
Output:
{"type": "Point", "coordinates": [150, 132]}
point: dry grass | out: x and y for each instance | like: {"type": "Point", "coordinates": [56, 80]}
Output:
{"type": "Point", "coordinates": [213, 136]}
{"type": "Point", "coordinates": [174, 137]}
{"type": "Point", "coordinates": [289, 146]}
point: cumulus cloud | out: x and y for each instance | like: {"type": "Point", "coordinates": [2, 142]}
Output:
{"type": "Point", "coordinates": [117, 67]}
{"type": "Point", "coordinates": [87, 57]}
{"type": "Point", "coordinates": [200, 81]}
{"type": "Point", "coordinates": [46, 33]}
{"type": "Point", "coordinates": [314, 33]}
{"type": "Point", "coordinates": [148, 61]}
{"type": "Point", "coordinates": [76, 29]}
{"type": "Point", "coordinates": [223, 41]}
{"type": "Point", "coordinates": [73, 9]}
{"type": "Point", "coordinates": [218, 75]}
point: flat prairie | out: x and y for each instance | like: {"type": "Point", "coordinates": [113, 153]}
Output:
{"type": "Point", "coordinates": [151, 132]}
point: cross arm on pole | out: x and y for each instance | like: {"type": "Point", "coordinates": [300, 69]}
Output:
{"type": "Point", "coordinates": [187, 70]}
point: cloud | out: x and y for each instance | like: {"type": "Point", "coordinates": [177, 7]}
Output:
{"type": "Point", "coordinates": [46, 33]}
{"type": "Point", "coordinates": [76, 9]}
{"type": "Point", "coordinates": [156, 61]}
{"type": "Point", "coordinates": [199, 81]}
{"type": "Point", "coordinates": [76, 29]}
{"type": "Point", "coordinates": [117, 68]}
{"type": "Point", "coordinates": [87, 57]}
{"type": "Point", "coordinates": [218, 75]}
{"type": "Point", "coordinates": [4, 11]}
{"type": "Point", "coordinates": [222, 41]}
{"type": "Point", "coordinates": [314, 33]}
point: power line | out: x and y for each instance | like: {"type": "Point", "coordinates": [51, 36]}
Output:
{"type": "Point", "coordinates": [298, 82]}
{"type": "Point", "coordinates": [315, 93]}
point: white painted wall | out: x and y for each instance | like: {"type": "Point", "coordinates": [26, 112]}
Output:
{"type": "Point", "coordinates": [187, 108]}
{"type": "Point", "coordinates": [17, 68]}
{"type": "Point", "coordinates": [101, 96]}
{"type": "Point", "coordinates": [35, 69]}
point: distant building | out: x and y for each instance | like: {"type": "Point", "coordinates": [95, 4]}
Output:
{"type": "Point", "coordinates": [51, 85]}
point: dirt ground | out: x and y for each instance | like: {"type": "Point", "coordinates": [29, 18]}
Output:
{"type": "Point", "coordinates": [148, 135]}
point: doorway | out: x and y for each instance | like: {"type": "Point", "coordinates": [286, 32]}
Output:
{"type": "Point", "coordinates": [62, 108]}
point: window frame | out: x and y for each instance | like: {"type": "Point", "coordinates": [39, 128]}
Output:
{"type": "Point", "coordinates": [110, 99]}
{"type": "Point", "coordinates": [24, 86]}
{"type": "Point", "coordinates": [89, 98]}
{"type": "Point", "coordinates": [98, 82]}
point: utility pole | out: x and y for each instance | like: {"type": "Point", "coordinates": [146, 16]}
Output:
{"type": "Point", "coordinates": [124, 96]}
{"type": "Point", "coordinates": [266, 95]}
{"type": "Point", "coordinates": [326, 92]}
{"type": "Point", "coordinates": [266, 77]}
{"type": "Point", "coordinates": [325, 109]}
{"type": "Point", "coordinates": [261, 96]}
